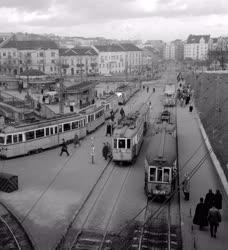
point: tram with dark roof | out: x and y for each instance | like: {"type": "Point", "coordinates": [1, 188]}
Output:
{"type": "Point", "coordinates": [161, 164]}
{"type": "Point", "coordinates": [128, 135]}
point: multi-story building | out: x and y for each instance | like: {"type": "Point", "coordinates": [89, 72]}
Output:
{"type": "Point", "coordinates": [17, 56]}
{"type": "Point", "coordinates": [111, 58]}
{"type": "Point", "coordinates": [133, 57]}
{"type": "Point", "coordinates": [196, 47]}
{"type": "Point", "coordinates": [79, 61]}
{"type": "Point", "coordinates": [174, 50]}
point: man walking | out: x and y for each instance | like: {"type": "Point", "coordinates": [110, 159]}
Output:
{"type": "Point", "coordinates": [214, 218]}
{"type": "Point", "coordinates": [64, 148]}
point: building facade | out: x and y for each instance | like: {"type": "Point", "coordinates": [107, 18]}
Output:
{"type": "Point", "coordinates": [79, 61]}
{"type": "Point", "coordinates": [196, 47]}
{"type": "Point", "coordinates": [18, 56]}
{"type": "Point", "coordinates": [174, 50]}
{"type": "Point", "coordinates": [111, 59]}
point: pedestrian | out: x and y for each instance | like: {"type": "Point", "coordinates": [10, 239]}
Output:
{"type": "Point", "coordinates": [112, 116]}
{"type": "Point", "coordinates": [147, 89]}
{"type": "Point", "coordinates": [218, 199]}
{"type": "Point", "coordinates": [209, 199]}
{"type": "Point", "coordinates": [109, 129]}
{"type": "Point", "coordinates": [42, 91]}
{"type": "Point", "coordinates": [43, 99]}
{"type": "Point", "coordinates": [186, 187]}
{"type": "Point", "coordinates": [182, 102]}
{"type": "Point", "coordinates": [64, 148]}
{"type": "Point", "coordinates": [214, 218]}
{"type": "Point", "coordinates": [200, 217]}
{"type": "Point", "coordinates": [153, 90]}
{"type": "Point", "coordinates": [76, 140]}
{"type": "Point", "coordinates": [105, 151]}
{"type": "Point", "coordinates": [122, 113]}
{"type": "Point", "coordinates": [143, 86]}
{"type": "Point", "coordinates": [190, 108]}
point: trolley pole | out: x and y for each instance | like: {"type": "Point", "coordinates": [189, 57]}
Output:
{"type": "Point", "coordinates": [92, 150]}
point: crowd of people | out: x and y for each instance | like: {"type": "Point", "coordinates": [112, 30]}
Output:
{"type": "Point", "coordinates": [208, 212]}
{"type": "Point", "coordinates": [184, 95]}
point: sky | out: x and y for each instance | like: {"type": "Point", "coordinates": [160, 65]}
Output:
{"type": "Point", "coordinates": [121, 19]}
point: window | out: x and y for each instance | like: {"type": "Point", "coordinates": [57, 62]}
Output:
{"type": "Point", "coordinates": [56, 129]}
{"type": "Point", "coordinates": [66, 127]}
{"type": "Point", "coordinates": [30, 135]}
{"type": "Point", "coordinates": [128, 143]}
{"type": "Point", "coordinates": [41, 54]}
{"type": "Point", "coordinates": [115, 143]}
{"type": "Point", "coordinates": [60, 128]}
{"type": "Point", "coordinates": [9, 139]}
{"type": "Point", "coordinates": [152, 174]}
{"type": "Point", "coordinates": [90, 118]}
{"type": "Point", "coordinates": [159, 175]}
{"type": "Point", "coordinates": [28, 54]}
{"type": "Point", "coordinates": [53, 61]}
{"type": "Point", "coordinates": [39, 133]}
{"type": "Point", "coordinates": [166, 175]}
{"type": "Point", "coordinates": [51, 131]}
{"type": "Point", "coordinates": [121, 143]}
{"type": "Point", "coordinates": [74, 125]}
{"type": "Point", "coordinates": [20, 138]}
{"type": "Point", "coordinates": [14, 54]}
{"type": "Point", "coordinates": [4, 54]}
{"type": "Point", "coordinates": [52, 54]}
{"type": "Point", "coordinates": [2, 139]}
{"type": "Point", "coordinates": [47, 131]}
{"type": "Point", "coordinates": [14, 138]}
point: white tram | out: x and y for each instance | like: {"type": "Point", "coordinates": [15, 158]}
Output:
{"type": "Point", "coordinates": [169, 95]}
{"type": "Point", "coordinates": [128, 135]}
{"type": "Point", "coordinates": [161, 165]}
{"type": "Point", "coordinates": [95, 117]}
{"type": "Point", "coordinates": [22, 139]}
{"type": "Point", "coordinates": [110, 102]}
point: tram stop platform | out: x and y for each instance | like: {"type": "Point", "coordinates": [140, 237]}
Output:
{"type": "Point", "coordinates": [192, 149]}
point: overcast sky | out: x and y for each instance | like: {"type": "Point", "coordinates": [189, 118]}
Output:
{"type": "Point", "coordinates": [121, 19]}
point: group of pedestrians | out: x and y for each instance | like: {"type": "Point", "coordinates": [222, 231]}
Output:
{"type": "Point", "coordinates": [64, 148]}
{"type": "Point", "coordinates": [184, 95]}
{"type": "Point", "coordinates": [207, 212]}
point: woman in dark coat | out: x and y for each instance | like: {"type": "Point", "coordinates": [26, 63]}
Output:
{"type": "Point", "coordinates": [209, 200]}
{"type": "Point", "coordinates": [218, 199]}
{"type": "Point", "coordinates": [200, 217]}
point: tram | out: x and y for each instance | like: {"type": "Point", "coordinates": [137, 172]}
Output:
{"type": "Point", "coordinates": [126, 92]}
{"type": "Point", "coordinates": [110, 102]}
{"type": "Point", "coordinates": [95, 117]}
{"type": "Point", "coordinates": [166, 120]}
{"type": "Point", "coordinates": [128, 135]}
{"type": "Point", "coordinates": [28, 138]}
{"type": "Point", "coordinates": [161, 165]}
{"type": "Point", "coordinates": [169, 95]}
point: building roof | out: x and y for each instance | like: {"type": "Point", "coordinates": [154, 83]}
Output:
{"type": "Point", "coordinates": [129, 47]}
{"type": "Point", "coordinates": [30, 45]}
{"type": "Point", "coordinates": [78, 51]}
{"type": "Point", "coordinates": [196, 38]}
{"type": "Point", "coordinates": [81, 86]}
{"type": "Point", "coordinates": [109, 48]}
{"type": "Point", "coordinates": [32, 72]}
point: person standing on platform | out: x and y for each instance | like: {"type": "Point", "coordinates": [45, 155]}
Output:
{"type": "Point", "coordinates": [64, 148]}
{"type": "Point", "coordinates": [218, 199]}
{"type": "Point", "coordinates": [209, 199]}
{"type": "Point", "coordinates": [186, 187]}
{"type": "Point", "coordinates": [214, 218]}
{"type": "Point", "coordinates": [200, 217]}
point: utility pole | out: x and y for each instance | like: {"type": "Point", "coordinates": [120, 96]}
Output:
{"type": "Point", "coordinates": [61, 79]}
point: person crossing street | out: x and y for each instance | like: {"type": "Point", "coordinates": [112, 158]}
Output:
{"type": "Point", "coordinates": [64, 148]}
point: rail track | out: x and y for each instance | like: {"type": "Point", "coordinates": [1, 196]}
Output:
{"type": "Point", "coordinates": [12, 234]}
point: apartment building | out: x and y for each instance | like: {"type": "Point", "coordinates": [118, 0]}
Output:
{"type": "Point", "coordinates": [174, 50]}
{"type": "Point", "coordinates": [79, 61]}
{"type": "Point", "coordinates": [17, 56]}
{"type": "Point", "coordinates": [196, 47]}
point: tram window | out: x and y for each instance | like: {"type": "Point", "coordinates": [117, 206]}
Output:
{"type": "Point", "coordinates": [56, 129]}
{"type": "Point", "coordinates": [14, 138]}
{"type": "Point", "coordinates": [2, 140]}
{"type": "Point", "coordinates": [128, 143]}
{"type": "Point", "coordinates": [20, 138]}
{"type": "Point", "coordinates": [121, 143]}
{"type": "Point", "coordinates": [9, 139]}
{"type": "Point", "coordinates": [60, 128]}
{"type": "Point", "coordinates": [84, 121]}
{"type": "Point", "coordinates": [115, 143]}
{"type": "Point", "coordinates": [159, 175]}
{"type": "Point", "coordinates": [39, 133]}
{"type": "Point", "coordinates": [152, 174]}
{"type": "Point", "coordinates": [30, 135]}
{"type": "Point", "coordinates": [74, 125]}
{"type": "Point", "coordinates": [166, 175]}
{"type": "Point", "coordinates": [66, 126]}
{"type": "Point", "coordinates": [51, 131]}
{"type": "Point", "coordinates": [80, 124]}
{"type": "Point", "coordinates": [47, 131]}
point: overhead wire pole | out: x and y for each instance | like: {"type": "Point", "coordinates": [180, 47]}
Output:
{"type": "Point", "coordinates": [61, 104]}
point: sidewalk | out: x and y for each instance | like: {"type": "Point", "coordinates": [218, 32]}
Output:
{"type": "Point", "coordinates": [189, 139]}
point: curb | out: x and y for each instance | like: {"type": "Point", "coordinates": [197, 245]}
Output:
{"type": "Point", "coordinates": [214, 158]}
